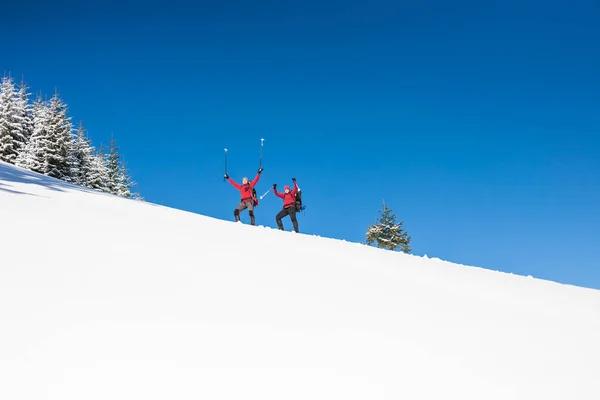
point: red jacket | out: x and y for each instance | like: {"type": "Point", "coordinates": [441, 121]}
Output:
{"type": "Point", "coordinates": [245, 190]}
{"type": "Point", "coordinates": [288, 198]}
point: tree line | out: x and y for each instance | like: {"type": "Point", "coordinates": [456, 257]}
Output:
{"type": "Point", "coordinates": [39, 135]}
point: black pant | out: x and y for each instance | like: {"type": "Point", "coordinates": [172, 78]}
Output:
{"type": "Point", "coordinates": [291, 211]}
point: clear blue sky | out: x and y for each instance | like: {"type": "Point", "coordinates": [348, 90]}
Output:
{"type": "Point", "coordinates": [479, 124]}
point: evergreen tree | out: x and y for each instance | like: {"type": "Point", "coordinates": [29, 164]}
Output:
{"type": "Point", "coordinates": [124, 183]}
{"type": "Point", "coordinates": [81, 158]}
{"type": "Point", "coordinates": [112, 164]}
{"type": "Point", "coordinates": [388, 234]}
{"type": "Point", "coordinates": [24, 159]}
{"type": "Point", "coordinates": [99, 172]}
{"type": "Point", "coordinates": [49, 149]}
{"type": "Point", "coordinates": [13, 126]}
{"type": "Point", "coordinates": [34, 155]}
{"type": "Point", "coordinates": [137, 196]}
{"type": "Point", "coordinates": [6, 118]}
{"type": "Point", "coordinates": [119, 182]}
{"type": "Point", "coordinates": [24, 114]}
{"type": "Point", "coordinates": [59, 145]}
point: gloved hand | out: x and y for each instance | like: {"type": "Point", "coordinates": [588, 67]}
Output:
{"type": "Point", "coordinates": [274, 186]}
{"type": "Point", "coordinates": [260, 170]}
{"type": "Point", "coordinates": [294, 179]}
{"type": "Point", "coordinates": [226, 176]}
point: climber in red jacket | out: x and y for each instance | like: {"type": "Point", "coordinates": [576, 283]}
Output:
{"type": "Point", "coordinates": [248, 199]}
{"type": "Point", "coordinates": [289, 205]}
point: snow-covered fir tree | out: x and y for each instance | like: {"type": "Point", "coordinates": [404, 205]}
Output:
{"type": "Point", "coordinates": [98, 178]}
{"type": "Point", "coordinates": [34, 155]}
{"type": "Point", "coordinates": [49, 149]}
{"type": "Point", "coordinates": [81, 158]}
{"type": "Point", "coordinates": [137, 196]}
{"type": "Point", "coordinates": [112, 164]}
{"type": "Point", "coordinates": [60, 144]}
{"type": "Point", "coordinates": [25, 158]}
{"type": "Point", "coordinates": [14, 125]}
{"type": "Point", "coordinates": [388, 234]}
{"type": "Point", "coordinates": [6, 119]}
{"type": "Point", "coordinates": [24, 114]}
{"type": "Point", "coordinates": [119, 181]}
{"type": "Point", "coordinates": [124, 182]}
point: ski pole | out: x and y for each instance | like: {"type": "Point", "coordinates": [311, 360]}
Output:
{"type": "Point", "coordinates": [262, 141]}
{"type": "Point", "coordinates": [265, 193]}
{"type": "Point", "coordinates": [225, 164]}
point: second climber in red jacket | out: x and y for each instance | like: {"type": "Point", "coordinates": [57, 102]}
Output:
{"type": "Point", "coordinates": [289, 205]}
{"type": "Point", "coordinates": [247, 200]}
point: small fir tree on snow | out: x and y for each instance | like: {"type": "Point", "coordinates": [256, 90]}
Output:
{"type": "Point", "coordinates": [81, 158]}
{"type": "Point", "coordinates": [119, 181]}
{"type": "Point", "coordinates": [98, 178]}
{"type": "Point", "coordinates": [137, 196]}
{"type": "Point", "coordinates": [124, 183]}
{"type": "Point", "coordinates": [388, 234]}
{"type": "Point", "coordinates": [14, 124]}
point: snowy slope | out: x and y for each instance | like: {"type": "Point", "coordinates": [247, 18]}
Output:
{"type": "Point", "coordinates": [107, 298]}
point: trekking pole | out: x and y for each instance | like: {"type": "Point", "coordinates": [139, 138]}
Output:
{"type": "Point", "coordinates": [225, 164]}
{"type": "Point", "coordinates": [265, 193]}
{"type": "Point", "coordinates": [262, 141]}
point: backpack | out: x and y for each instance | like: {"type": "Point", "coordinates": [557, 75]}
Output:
{"type": "Point", "coordinates": [298, 201]}
{"type": "Point", "coordinates": [254, 197]}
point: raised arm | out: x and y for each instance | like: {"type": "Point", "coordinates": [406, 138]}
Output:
{"type": "Point", "coordinates": [255, 181]}
{"type": "Point", "coordinates": [295, 189]}
{"type": "Point", "coordinates": [235, 185]}
{"type": "Point", "coordinates": [276, 192]}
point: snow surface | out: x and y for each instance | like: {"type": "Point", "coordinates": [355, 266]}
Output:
{"type": "Point", "coordinates": [108, 298]}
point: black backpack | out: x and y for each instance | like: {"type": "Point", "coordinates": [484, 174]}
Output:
{"type": "Point", "coordinates": [298, 203]}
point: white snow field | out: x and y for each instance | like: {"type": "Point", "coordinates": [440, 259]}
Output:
{"type": "Point", "coordinates": [107, 298]}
